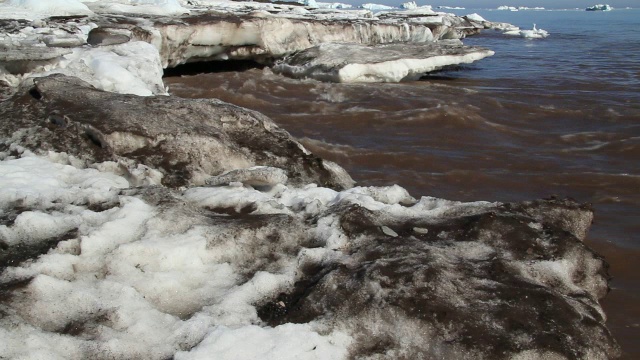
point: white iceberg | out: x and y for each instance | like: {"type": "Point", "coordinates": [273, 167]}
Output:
{"type": "Point", "coordinates": [376, 7]}
{"type": "Point", "coordinates": [600, 7]}
{"type": "Point", "coordinates": [335, 5]}
{"type": "Point", "coordinates": [409, 5]}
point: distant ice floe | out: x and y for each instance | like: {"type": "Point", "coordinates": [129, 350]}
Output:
{"type": "Point", "coordinates": [514, 8]}
{"type": "Point", "coordinates": [534, 33]}
{"type": "Point", "coordinates": [599, 7]}
{"type": "Point", "coordinates": [506, 28]}
{"type": "Point", "coordinates": [335, 5]}
{"type": "Point", "coordinates": [451, 7]}
{"type": "Point", "coordinates": [376, 7]}
{"type": "Point", "coordinates": [409, 5]}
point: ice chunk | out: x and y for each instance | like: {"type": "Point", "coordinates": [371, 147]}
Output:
{"type": "Point", "coordinates": [335, 5]}
{"type": "Point", "coordinates": [383, 63]}
{"type": "Point", "coordinates": [475, 17]}
{"type": "Point", "coordinates": [599, 7]}
{"type": "Point", "coordinates": [534, 33]}
{"type": "Point", "coordinates": [376, 7]}
{"type": "Point", "coordinates": [409, 5]}
{"type": "Point", "coordinates": [130, 68]}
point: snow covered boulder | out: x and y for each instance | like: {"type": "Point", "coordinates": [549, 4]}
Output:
{"type": "Point", "coordinates": [381, 63]}
{"type": "Point", "coordinates": [187, 141]}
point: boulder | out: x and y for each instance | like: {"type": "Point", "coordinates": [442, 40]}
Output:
{"type": "Point", "coordinates": [188, 141]}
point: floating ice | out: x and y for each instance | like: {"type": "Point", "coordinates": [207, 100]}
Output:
{"type": "Point", "coordinates": [600, 7]}
{"type": "Point", "coordinates": [505, 7]}
{"type": "Point", "coordinates": [376, 7]}
{"type": "Point", "coordinates": [534, 33]}
{"type": "Point", "coordinates": [513, 8]}
{"type": "Point", "coordinates": [384, 63]}
{"type": "Point", "coordinates": [409, 5]}
{"type": "Point", "coordinates": [335, 5]}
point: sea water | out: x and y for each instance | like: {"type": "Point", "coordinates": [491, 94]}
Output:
{"type": "Point", "coordinates": [558, 116]}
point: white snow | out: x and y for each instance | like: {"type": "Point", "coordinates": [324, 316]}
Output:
{"type": "Point", "coordinates": [35, 9]}
{"type": "Point", "coordinates": [129, 68]}
{"type": "Point", "coordinates": [149, 281]}
{"type": "Point", "coordinates": [475, 17]}
{"type": "Point", "coordinates": [128, 264]}
{"type": "Point", "coordinates": [153, 7]}
{"type": "Point", "coordinates": [285, 342]}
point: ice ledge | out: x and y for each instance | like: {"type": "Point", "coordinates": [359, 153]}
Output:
{"type": "Point", "coordinates": [381, 63]}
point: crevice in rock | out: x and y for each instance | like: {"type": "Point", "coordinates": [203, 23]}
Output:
{"type": "Point", "coordinates": [35, 93]}
{"type": "Point", "coordinates": [208, 67]}
{"type": "Point", "coordinates": [285, 308]}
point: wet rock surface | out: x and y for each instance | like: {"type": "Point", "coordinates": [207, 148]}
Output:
{"type": "Point", "coordinates": [496, 284]}
{"type": "Point", "coordinates": [186, 141]}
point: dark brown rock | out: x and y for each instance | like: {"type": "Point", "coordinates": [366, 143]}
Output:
{"type": "Point", "coordinates": [186, 140]}
{"type": "Point", "coordinates": [503, 282]}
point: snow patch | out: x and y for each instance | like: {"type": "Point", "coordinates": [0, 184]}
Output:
{"type": "Point", "coordinates": [36, 9]}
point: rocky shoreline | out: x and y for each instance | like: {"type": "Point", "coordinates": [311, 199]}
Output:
{"type": "Point", "coordinates": [158, 227]}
